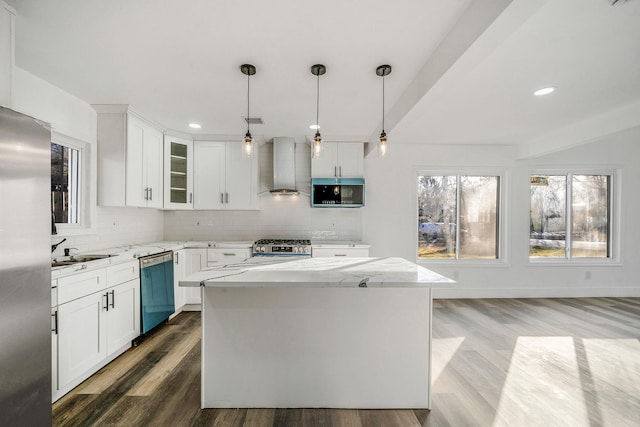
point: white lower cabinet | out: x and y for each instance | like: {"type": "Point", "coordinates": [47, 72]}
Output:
{"type": "Point", "coordinates": [179, 295]}
{"type": "Point", "coordinates": [97, 318]}
{"type": "Point", "coordinates": [82, 339]}
{"type": "Point", "coordinates": [339, 251]}
{"type": "Point", "coordinates": [123, 315]}
{"type": "Point", "coordinates": [195, 260]}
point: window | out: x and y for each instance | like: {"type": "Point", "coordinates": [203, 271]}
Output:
{"type": "Point", "coordinates": [458, 216]}
{"type": "Point", "coordinates": [72, 186]}
{"type": "Point", "coordinates": [570, 216]}
{"type": "Point", "coordinates": [65, 183]}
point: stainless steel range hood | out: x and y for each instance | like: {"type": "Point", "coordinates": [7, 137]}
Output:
{"type": "Point", "coordinates": [284, 166]}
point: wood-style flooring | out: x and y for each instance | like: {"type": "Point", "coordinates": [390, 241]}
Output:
{"type": "Point", "coordinates": [496, 362]}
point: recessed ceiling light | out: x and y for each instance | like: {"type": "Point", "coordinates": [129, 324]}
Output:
{"type": "Point", "coordinates": [314, 127]}
{"type": "Point", "coordinates": [544, 91]}
{"type": "Point", "coordinates": [194, 125]}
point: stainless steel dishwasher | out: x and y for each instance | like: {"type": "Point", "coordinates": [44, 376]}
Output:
{"type": "Point", "coordinates": [156, 290]}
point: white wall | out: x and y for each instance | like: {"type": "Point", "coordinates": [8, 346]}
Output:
{"type": "Point", "coordinates": [389, 219]}
{"type": "Point", "coordinates": [73, 117]}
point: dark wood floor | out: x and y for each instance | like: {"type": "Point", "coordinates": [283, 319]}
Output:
{"type": "Point", "coordinates": [496, 362]}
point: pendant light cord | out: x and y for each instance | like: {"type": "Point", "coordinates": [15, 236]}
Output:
{"type": "Point", "coordinates": [248, 78]}
{"type": "Point", "coordinates": [382, 103]}
{"type": "Point", "coordinates": [317, 100]}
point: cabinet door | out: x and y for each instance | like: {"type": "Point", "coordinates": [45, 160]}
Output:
{"type": "Point", "coordinates": [351, 160]}
{"type": "Point", "coordinates": [241, 191]}
{"type": "Point", "coordinates": [135, 182]}
{"type": "Point", "coordinates": [326, 165]}
{"type": "Point", "coordinates": [82, 339]}
{"type": "Point", "coordinates": [208, 175]}
{"type": "Point", "coordinates": [123, 315]}
{"type": "Point", "coordinates": [196, 260]}
{"type": "Point", "coordinates": [179, 260]}
{"type": "Point", "coordinates": [178, 173]}
{"type": "Point", "coordinates": [153, 167]}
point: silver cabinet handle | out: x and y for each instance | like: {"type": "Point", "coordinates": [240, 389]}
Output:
{"type": "Point", "coordinates": [339, 254]}
{"type": "Point", "coordinates": [146, 193]}
{"type": "Point", "coordinates": [221, 197]}
{"type": "Point", "coordinates": [190, 198]}
{"type": "Point", "coordinates": [113, 299]}
{"type": "Point", "coordinates": [177, 257]}
{"type": "Point", "coordinates": [106, 306]}
{"type": "Point", "coordinates": [55, 322]}
{"type": "Point", "coordinates": [229, 254]}
{"type": "Point", "coordinates": [340, 171]}
{"type": "Point", "coordinates": [226, 197]}
{"type": "Point", "coordinates": [335, 171]}
{"type": "Point", "coordinates": [150, 193]}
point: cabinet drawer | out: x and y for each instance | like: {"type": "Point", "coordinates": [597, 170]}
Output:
{"type": "Point", "coordinates": [344, 252]}
{"type": "Point", "coordinates": [81, 284]}
{"type": "Point", "coordinates": [121, 273]}
{"type": "Point", "coordinates": [219, 254]}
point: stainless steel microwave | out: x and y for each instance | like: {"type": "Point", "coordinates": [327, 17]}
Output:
{"type": "Point", "coordinates": [337, 192]}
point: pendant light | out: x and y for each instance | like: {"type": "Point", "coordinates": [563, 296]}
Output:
{"type": "Point", "coordinates": [248, 70]}
{"type": "Point", "coordinates": [316, 149]}
{"type": "Point", "coordinates": [383, 71]}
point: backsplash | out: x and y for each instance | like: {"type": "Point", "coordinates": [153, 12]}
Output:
{"type": "Point", "coordinates": [280, 216]}
{"type": "Point", "coordinates": [117, 227]}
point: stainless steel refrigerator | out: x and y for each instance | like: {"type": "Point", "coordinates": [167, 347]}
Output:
{"type": "Point", "coordinates": [25, 271]}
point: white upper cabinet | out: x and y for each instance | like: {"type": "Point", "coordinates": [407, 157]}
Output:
{"type": "Point", "coordinates": [144, 186]}
{"type": "Point", "coordinates": [340, 160]}
{"type": "Point", "coordinates": [223, 177]}
{"type": "Point", "coordinates": [130, 159]}
{"type": "Point", "coordinates": [178, 173]}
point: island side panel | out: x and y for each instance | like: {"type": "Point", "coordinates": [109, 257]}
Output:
{"type": "Point", "coordinates": [316, 347]}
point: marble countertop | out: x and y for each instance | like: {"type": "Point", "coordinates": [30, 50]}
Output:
{"type": "Point", "coordinates": [262, 272]}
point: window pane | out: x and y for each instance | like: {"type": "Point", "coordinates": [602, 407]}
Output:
{"type": "Point", "coordinates": [437, 216]}
{"type": "Point", "coordinates": [478, 217]}
{"type": "Point", "coordinates": [590, 216]}
{"type": "Point", "coordinates": [547, 223]}
{"type": "Point", "coordinates": [65, 172]}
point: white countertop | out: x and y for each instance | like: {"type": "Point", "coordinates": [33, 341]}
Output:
{"type": "Point", "coordinates": [261, 272]}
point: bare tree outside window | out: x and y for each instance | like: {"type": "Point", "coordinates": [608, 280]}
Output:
{"type": "Point", "coordinates": [458, 217]}
{"type": "Point", "coordinates": [65, 169]}
{"type": "Point", "coordinates": [579, 232]}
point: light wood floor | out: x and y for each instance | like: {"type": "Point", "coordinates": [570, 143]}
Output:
{"type": "Point", "coordinates": [496, 362]}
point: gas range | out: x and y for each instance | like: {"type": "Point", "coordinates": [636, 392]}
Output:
{"type": "Point", "coordinates": [282, 247]}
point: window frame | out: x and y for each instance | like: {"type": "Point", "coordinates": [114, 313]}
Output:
{"type": "Point", "coordinates": [614, 214]}
{"type": "Point", "coordinates": [502, 260]}
{"type": "Point", "coordinates": [86, 188]}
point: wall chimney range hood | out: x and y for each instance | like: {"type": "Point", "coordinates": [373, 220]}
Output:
{"type": "Point", "coordinates": [284, 166]}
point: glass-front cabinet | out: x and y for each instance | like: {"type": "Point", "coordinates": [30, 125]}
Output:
{"type": "Point", "coordinates": [178, 166]}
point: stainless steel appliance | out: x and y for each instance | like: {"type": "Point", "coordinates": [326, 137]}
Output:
{"type": "Point", "coordinates": [25, 271]}
{"type": "Point", "coordinates": [337, 192]}
{"type": "Point", "coordinates": [156, 290]}
{"type": "Point", "coordinates": [282, 247]}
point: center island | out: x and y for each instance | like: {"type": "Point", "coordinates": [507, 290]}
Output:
{"type": "Point", "coordinates": [316, 333]}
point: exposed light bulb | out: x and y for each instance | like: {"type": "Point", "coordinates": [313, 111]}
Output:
{"type": "Point", "coordinates": [544, 91]}
{"type": "Point", "coordinates": [248, 145]}
{"type": "Point", "coordinates": [382, 144]}
{"type": "Point", "coordinates": [317, 145]}
{"type": "Point", "coordinates": [195, 125]}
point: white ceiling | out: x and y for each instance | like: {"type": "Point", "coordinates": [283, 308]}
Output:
{"type": "Point", "coordinates": [463, 70]}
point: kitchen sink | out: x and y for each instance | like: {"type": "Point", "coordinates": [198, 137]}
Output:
{"type": "Point", "coordinates": [77, 259]}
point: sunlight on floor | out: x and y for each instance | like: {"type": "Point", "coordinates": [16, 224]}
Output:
{"type": "Point", "coordinates": [543, 386]}
{"type": "Point", "coordinates": [615, 366]}
{"type": "Point", "coordinates": [443, 350]}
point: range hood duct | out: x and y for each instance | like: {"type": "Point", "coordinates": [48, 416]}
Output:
{"type": "Point", "coordinates": [284, 166]}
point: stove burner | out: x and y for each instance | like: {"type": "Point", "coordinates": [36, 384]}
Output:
{"type": "Point", "coordinates": [293, 242]}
